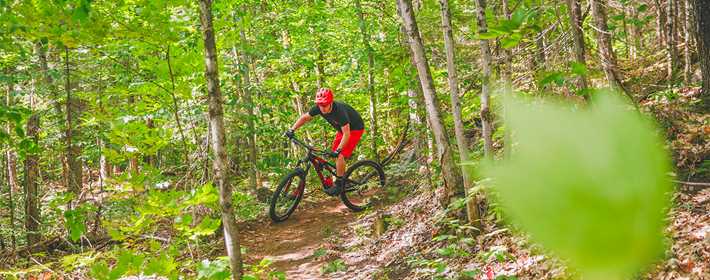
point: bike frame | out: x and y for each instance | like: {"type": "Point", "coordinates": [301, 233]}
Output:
{"type": "Point", "coordinates": [319, 164]}
{"type": "Point", "coordinates": [312, 159]}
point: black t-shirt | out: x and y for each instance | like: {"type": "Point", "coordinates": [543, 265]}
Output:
{"type": "Point", "coordinates": [340, 115]}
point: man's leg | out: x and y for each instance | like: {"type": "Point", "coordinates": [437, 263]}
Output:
{"type": "Point", "coordinates": [340, 165]}
{"type": "Point", "coordinates": [340, 161]}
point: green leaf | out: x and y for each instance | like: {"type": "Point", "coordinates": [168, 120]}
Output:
{"type": "Point", "coordinates": [74, 220]}
{"type": "Point", "coordinates": [518, 17]}
{"type": "Point", "coordinates": [642, 8]}
{"type": "Point", "coordinates": [511, 41]}
{"type": "Point", "coordinates": [553, 77]}
{"type": "Point", "coordinates": [590, 185]}
{"type": "Point", "coordinates": [487, 36]}
{"type": "Point", "coordinates": [100, 271]}
{"type": "Point", "coordinates": [578, 69]}
{"type": "Point", "coordinates": [19, 131]}
{"type": "Point", "coordinates": [213, 270]}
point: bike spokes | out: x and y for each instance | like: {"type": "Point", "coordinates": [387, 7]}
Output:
{"type": "Point", "coordinates": [364, 185]}
{"type": "Point", "coordinates": [287, 197]}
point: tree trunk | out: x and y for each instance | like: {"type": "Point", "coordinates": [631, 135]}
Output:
{"type": "Point", "coordinates": [575, 16]}
{"type": "Point", "coordinates": [486, 115]}
{"type": "Point", "coordinates": [32, 211]}
{"type": "Point", "coordinates": [660, 21]}
{"type": "Point", "coordinates": [507, 73]}
{"type": "Point", "coordinates": [251, 133]}
{"type": "Point", "coordinates": [702, 26]}
{"type": "Point", "coordinates": [606, 52]}
{"type": "Point", "coordinates": [11, 175]}
{"type": "Point", "coordinates": [220, 164]}
{"type": "Point", "coordinates": [671, 45]}
{"type": "Point", "coordinates": [635, 33]}
{"type": "Point", "coordinates": [452, 177]}
{"type": "Point", "coordinates": [541, 56]}
{"type": "Point", "coordinates": [471, 209]}
{"type": "Point", "coordinates": [370, 78]}
{"type": "Point", "coordinates": [416, 102]}
{"type": "Point", "coordinates": [687, 70]}
{"type": "Point", "coordinates": [74, 178]}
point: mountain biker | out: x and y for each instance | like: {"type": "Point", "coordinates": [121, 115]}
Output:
{"type": "Point", "coordinates": [348, 124]}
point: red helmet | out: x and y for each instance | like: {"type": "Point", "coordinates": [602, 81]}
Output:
{"type": "Point", "coordinates": [324, 96]}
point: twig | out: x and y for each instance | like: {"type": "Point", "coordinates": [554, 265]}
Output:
{"type": "Point", "coordinates": [693, 184]}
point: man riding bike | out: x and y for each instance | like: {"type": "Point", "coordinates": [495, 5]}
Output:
{"type": "Point", "coordinates": [348, 124]}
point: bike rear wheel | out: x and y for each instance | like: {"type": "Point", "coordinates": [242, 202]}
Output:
{"type": "Point", "coordinates": [365, 183]}
{"type": "Point", "coordinates": [287, 196]}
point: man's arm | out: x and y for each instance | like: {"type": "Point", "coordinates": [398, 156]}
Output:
{"type": "Point", "coordinates": [302, 120]}
{"type": "Point", "coordinates": [346, 136]}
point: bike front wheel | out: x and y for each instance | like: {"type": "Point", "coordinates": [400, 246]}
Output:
{"type": "Point", "coordinates": [287, 196]}
{"type": "Point", "coordinates": [365, 184]}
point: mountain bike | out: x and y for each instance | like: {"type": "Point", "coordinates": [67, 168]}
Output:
{"type": "Point", "coordinates": [364, 182]}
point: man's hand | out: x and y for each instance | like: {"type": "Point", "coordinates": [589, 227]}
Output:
{"type": "Point", "coordinates": [289, 133]}
{"type": "Point", "coordinates": [335, 153]}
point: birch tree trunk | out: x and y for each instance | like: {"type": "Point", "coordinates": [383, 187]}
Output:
{"type": "Point", "coordinates": [416, 102]}
{"type": "Point", "coordinates": [216, 120]}
{"type": "Point", "coordinates": [606, 52]}
{"type": "Point", "coordinates": [471, 209]}
{"type": "Point", "coordinates": [486, 116]}
{"type": "Point", "coordinates": [575, 17]}
{"type": "Point", "coordinates": [452, 178]}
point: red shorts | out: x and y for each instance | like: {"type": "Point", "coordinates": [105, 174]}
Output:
{"type": "Point", "coordinates": [349, 147]}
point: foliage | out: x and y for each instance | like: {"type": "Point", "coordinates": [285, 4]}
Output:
{"type": "Point", "coordinates": [588, 183]}
{"type": "Point", "coordinates": [334, 266]}
{"type": "Point", "coordinates": [128, 262]}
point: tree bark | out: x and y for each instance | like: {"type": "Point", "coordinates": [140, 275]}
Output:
{"type": "Point", "coordinates": [74, 179]}
{"type": "Point", "coordinates": [541, 55]}
{"type": "Point", "coordinates": [507, 73]}
{"type": "Point", "coordinates": [471, 209]}
{"type": "Point", "coordinates": [687, 69]}
{"type": "Point", "coordinates": [216, 120]}
{"type": "Point", "coordinates": [452, 177]}
{"type": "Point", "coordinates": [671, 43]}
{"type": "Point", "coordinates": [636, 35]}
{"type": "Point", "coordinates": [575, 16]}
{"type": "Point", "coordinates": [251, 134]}
{"type": "Point", "coordinates": [660, 21]}
{"type": "Point", "coordinates": [486, 115]}
{"type": "Point", "coordinates": [702, 26]}
{"type": "Point", "coordinates": [606, 52]}
{"type": "Point", "coordinates": [370, 78]}
{"type": "Point", "coordinates": [10, 171]}
{"type": "Point", "coordinates": [32, 211]}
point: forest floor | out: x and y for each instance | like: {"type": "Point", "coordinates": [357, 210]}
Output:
{"type": "Point", "coordinates": [292, 245]}
{"type": "Point", "coordinates": [325, 240]}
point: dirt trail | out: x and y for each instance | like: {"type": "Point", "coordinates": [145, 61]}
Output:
{"type": "Point", "coordinates": [291, 244]}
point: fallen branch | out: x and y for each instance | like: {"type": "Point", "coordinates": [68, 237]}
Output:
{"type": "Point", "coordinates": [694, 184]}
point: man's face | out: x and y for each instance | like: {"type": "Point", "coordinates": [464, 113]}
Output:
{"type": "Point", "coordinates": [326, 109]}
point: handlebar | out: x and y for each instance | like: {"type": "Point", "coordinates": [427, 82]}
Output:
{"type": "Point", "coordinates": [306, 146]}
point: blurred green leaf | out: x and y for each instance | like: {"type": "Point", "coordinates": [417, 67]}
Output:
{"type": "Point", "coordinates": [591, 185]}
